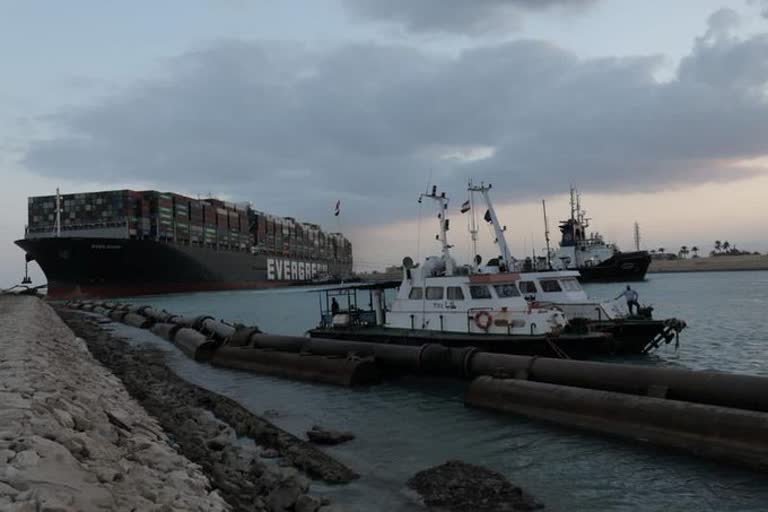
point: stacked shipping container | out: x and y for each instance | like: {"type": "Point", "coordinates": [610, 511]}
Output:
{"type": "Point", "coordinates": [179, 219]}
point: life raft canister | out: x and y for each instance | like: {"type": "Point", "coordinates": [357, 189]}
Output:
{"type": "Point", "coordinates": [483, 320]}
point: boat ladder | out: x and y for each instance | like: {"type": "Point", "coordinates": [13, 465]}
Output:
{"type": "Point", "coordinates": [670, 331]}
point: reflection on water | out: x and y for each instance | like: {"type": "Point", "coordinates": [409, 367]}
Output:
{"type": "Point", "coordinates": [409, 424]}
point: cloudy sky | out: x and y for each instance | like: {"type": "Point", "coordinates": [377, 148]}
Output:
{"type": "Point", "coordinates": [656, 110]}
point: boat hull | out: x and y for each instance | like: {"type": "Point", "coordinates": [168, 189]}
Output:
{"type": "Point", "coordinates": [621, 267]}
{"type": "Point", "coordinates": [103, 267]}
{"type": "Point", "coordinates": [572, 345]}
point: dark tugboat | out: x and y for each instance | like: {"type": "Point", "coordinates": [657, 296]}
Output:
{"type": "Point", "coordinates": [595, 260]}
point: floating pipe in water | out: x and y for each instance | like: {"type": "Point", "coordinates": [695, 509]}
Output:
{"type": "Point", "coordinates": [194, 344]}
{"type": "Point", "coordinates": [165, 330]}
{"type": "Point", "coordinates": [217, 329]}
{"type": "Point", "coordinates": [707, 387]}
{"type": "Point", "coordinates": [721, 433]}
{"type": "Point", "coordinates": [136, 320]}
{"type": "Point", "coordinates": [343, 371]}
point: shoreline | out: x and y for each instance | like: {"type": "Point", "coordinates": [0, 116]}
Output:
{"type": "Point", "coordinates": [272, 471]}
{"type": "Point", "coordinates": [710, 264]}
{"type": "Point", "coordinates": [71, 437]}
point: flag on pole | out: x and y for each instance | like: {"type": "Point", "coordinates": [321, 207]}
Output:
{"type": "Point", "coordinates": [338, 208]}
{"type": "Point", "coordinates": [465, 207]}
{"type": "Point", "coordinates": [487, 216]}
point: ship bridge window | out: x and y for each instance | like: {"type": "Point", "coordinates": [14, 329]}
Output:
{"type": "Point", "coordinates": [434, 293]}
{"type": "Point", "coordinates": [527, 286]}
{"type": "Point", "coordinates": [550, 285]}
{"type": "Point", "coordinates": [479, 292]}
{"type": "Point", "coordinates": [506, 290]}
{"type": "Point", "coordinates": [570, 284]}
{"type": "Point", "coordinates": [455, 293]}
{"type": "Point", "coordinates": [416, 294]}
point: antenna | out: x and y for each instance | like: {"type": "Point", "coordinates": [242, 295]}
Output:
{"type": "Point", "coordinates": [473, 223]}
{"type": "Point", "coordinates": [546, 234]}
{"type": "Point", "coordinates": [442, 202]}
{"type": "Point", "coordinates": [58, 213]}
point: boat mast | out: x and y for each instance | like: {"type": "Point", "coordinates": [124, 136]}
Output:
{"type": "Point", "coordinates": [573, 214]}
{"type": "Point", "coordinates": [473, 225]}
{"type": "Point", "coordinates": [58, 213]}
{"type": "Point", "coordinates": [546, 234]}
{"type": "Point", "coordinates": [442, 202]}
{"type": "Point", "coordinates": [497, 228]}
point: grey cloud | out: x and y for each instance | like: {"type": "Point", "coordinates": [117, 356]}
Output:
{"type": "Point", "coordinates": [471, 17]}
{"type": "Point", "coordinates": [293, 128]}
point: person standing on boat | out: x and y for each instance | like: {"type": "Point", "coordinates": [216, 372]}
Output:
{"type": "Point", "coordinates": [334, 306]}
{"type": "Point", "coordinates": [631, 296]}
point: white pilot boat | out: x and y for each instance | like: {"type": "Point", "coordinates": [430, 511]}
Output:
{"type": "Point", "coordinates": [465, 305]}
{"type": "Point", "coordinates": [492, 307]}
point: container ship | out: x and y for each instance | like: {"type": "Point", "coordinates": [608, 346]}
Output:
{"type": "Point", "coordinates": [123, 242]}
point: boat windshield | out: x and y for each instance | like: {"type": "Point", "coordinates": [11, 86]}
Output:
{"type": "Point", "coordinates": [550, 285]}
{"type": "Point", "coordinates": [506, 290]}
{"type": "Point", "coordinates": [570, 284]}
{"type": "Point", "coordinates": [479, 292]}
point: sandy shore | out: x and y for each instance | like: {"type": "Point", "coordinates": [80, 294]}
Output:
{"type": "Point", "coordinates": [710, 264]}
{"type": "Point", "coordinates": [71, 438]}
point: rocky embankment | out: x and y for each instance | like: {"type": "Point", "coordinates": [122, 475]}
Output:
{"type": "Point", "coordinates": [76, 436]}
{"type": "Point", "coordinates": [71, 437]}
{"type": "Point", "coordinates": [253, 464]}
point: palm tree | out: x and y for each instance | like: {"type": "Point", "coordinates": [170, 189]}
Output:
{"type": "Point", "coordinates": [683, 251]}
{"type": "Point", "coordinates": [695, 251]}
{"type": "Point", "coordinates": [661, 250]}
{"type": "Point", "coordinates": [726, 246]}
{"type": "Point", "coordinates": [718, 246]}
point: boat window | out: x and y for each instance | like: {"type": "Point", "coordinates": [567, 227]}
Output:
{"type": "Point", "coordinates": [527, 286]}
{"type": "Point", "coordinates": [434, 293]}
{"type": "Point", "coordinates": [506, 290]}
{"type": "Point", "coordinates": [479, 292]}
{"type": "Point", "coordinates": [570, 284]}
{"type": "Point", "coordinates": [550, 285]}
{"type": "Point", "coordinates": [416, 293]}
{"type": "Point", "coordinates": [455, 293]}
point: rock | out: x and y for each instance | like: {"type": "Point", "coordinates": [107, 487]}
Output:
{"type": "Point", "coordinates": [27, 458]}
{"type": "Point", "coordinates": [284, 496]}
{"type": "Point", "coordinates": [320, 435]}
{"type": "Point", "coordinates": [307, 503]}
{"type": "Point", "coordinates": [65, 419]}
{"type": "Point", "coordinates": [461, 487]}
{"type": "Point", "coordinates": [270, 453]}
{"type": "Point", "coordinates": [80, 423]}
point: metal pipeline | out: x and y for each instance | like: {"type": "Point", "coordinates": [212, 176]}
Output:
{"type": "Point", "coordinates": [242, 336]}
{"type": "Point", "coordinates": [157, 315]}
{"type": "Point", "coordinates": [721, 433]}
{"type": "Point", "coordinates": [194, 344]}
{"type": "Point", "coordinates": [342, 371]}
{"type": "Point", "coordinates": [138, 309]}
{"type": "Point", "coordinates": [136, 320]}
{"type": "Point", "coordinates": [165, 330]}
{"type": "Point", "coordinates": [706, 387]}
{"type": "Point", "coordinates": [117, 315]}
{"type": "Point", "coordinates": [217, 329]}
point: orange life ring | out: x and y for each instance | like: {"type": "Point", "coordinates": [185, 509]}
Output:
{"type": "Point", "coordinates": [483, 320]}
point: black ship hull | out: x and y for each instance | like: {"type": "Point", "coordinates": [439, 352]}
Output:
{"type": "Point", "coordinates": [106, 267]}
{"type": "Point", "coordinates": [621, 267]}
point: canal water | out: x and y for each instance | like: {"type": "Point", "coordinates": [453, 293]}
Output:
{"type": "Point", "coordinates": [410, 424]}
